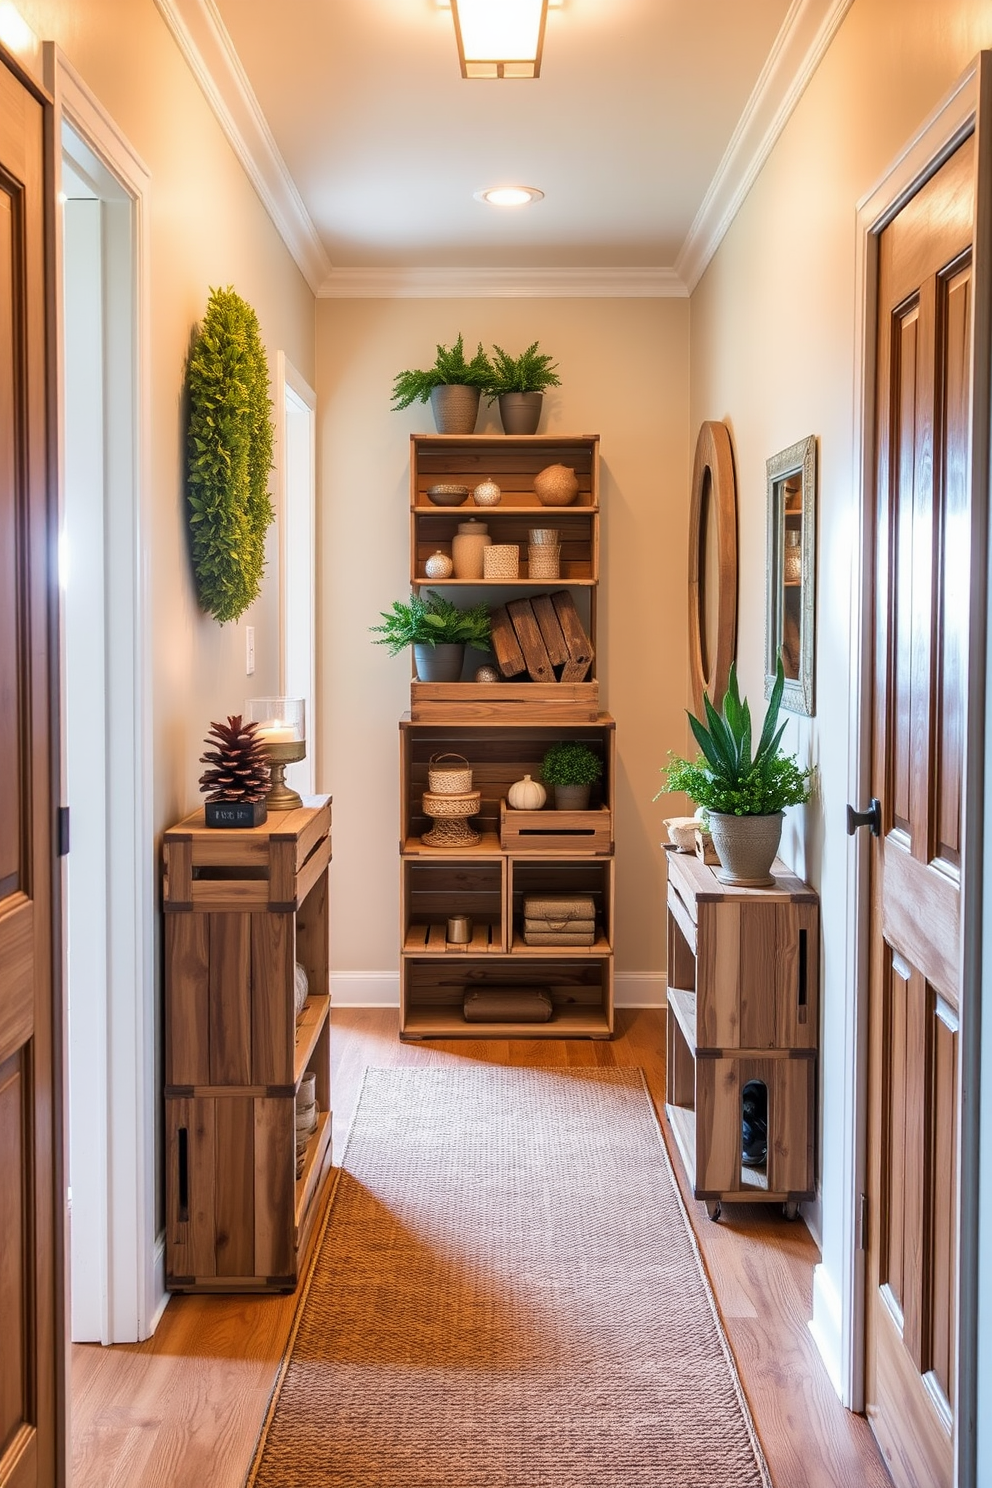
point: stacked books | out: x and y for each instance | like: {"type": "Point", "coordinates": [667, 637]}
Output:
{"type": "Point", "coordinates": [560, 920]}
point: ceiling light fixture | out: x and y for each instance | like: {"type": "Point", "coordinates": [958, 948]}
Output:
{"type": "Point", "coordinates": [499, 38]}
{"type": "Point", "coordinates": [509, 196]}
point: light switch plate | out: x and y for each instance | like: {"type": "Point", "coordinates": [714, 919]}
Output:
{"type": "Point", "coordinates": [249, 650]}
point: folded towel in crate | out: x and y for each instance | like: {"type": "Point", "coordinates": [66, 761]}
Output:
{"type": "Point", "coordinates": [560, 937]}
{"type": "Point", "coordinates": [559, 907]}
{"type": "Point", "coordinates": [507, 1005]}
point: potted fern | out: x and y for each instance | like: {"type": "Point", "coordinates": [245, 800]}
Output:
{"type": "Point", "coordinates": [453, 386]}
{"type": "Point", "coordinates": [519, 384]}
{"type": "Point", "coordinates": [437, 630]}
{"type": "Point", "coordinates": [744, 795]}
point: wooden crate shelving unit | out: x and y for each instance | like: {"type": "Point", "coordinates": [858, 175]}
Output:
{"type": "Point", "coordinates": [490, 879]}
{"type": "Point", "coordinates": [241, 908]}
{"type": "Point", "coordinates": [742, 1005]}
{"type": "Point", "coordinates": [512, 461]}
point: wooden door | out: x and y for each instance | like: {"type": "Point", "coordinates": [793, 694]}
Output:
{"type": "Point", "coordinates": [922, 611]}
{"type": "Point", "coordinates": [31, 1315]}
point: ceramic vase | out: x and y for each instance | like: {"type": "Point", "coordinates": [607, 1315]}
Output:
{"type": "Point", "coordinates": [520, 413]}
{"type": "Point", "coordinates": [467, 548]}
{"type": "Point", "coordinates": [746, 847]}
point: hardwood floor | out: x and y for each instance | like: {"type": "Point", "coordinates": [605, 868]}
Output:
{"type": "Point", "coordinates": [184, 1408]}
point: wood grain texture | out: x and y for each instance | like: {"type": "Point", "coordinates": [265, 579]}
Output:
{"type": "Point", "coordinates": [185, 1407]}
{"type": "Point", "coordinates": [530, 640]}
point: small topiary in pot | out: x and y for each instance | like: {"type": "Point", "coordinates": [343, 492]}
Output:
{"type": "Point", "coordinates": [572, 768]}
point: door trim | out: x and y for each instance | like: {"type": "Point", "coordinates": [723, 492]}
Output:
{"type": "Point", "coordinates": [135, 1271]}
{"type": "Point", "coordinates": [957, 116]}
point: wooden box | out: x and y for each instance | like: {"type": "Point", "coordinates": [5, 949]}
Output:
{"type": "Point", "coordinates": [243, 906]}
{"type": "Point", "coordinates": [549, 831]}
{"type": "Point", "coordinates": [580, 985]}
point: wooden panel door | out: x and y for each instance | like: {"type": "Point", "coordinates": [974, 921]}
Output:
{"type": "Point", "coordinates": [31, 1356]}
{"type": "Point", "coordinates": [922, 608]}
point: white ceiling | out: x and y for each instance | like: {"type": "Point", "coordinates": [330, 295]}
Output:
{"type": "Point", "coordinates": [640, 115]}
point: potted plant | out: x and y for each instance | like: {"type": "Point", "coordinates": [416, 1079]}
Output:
{"type": "Point", "coordinates": [744, 794]}
{"type": "Point", "coordinates": [519, 384]}
{"type": "Point", "coordinates": [438, 632]}
{"type": "Point", "coordinates": [452, 385]}
{"type": "Point", "coordinates": [571, 768]}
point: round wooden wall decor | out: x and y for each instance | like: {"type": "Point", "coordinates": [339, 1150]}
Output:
{"type": "Point", "coordinates": [712, 565]}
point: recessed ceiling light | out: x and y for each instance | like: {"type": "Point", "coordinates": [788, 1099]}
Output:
{"type": "Point", "coordinates": [509, 196]}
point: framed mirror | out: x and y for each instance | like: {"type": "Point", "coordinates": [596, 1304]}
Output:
{"type": "Point", "coordinates": [790, 608]}
{"type": "Point", "coordinates": [712, 565]}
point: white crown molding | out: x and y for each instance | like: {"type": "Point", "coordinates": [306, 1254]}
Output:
{"type": "Point", "coordinates": [807, 31]}
{"type": "Point", "coordinates": [515, 284]}
{"type": "Point", "coordinates": [203, 39]}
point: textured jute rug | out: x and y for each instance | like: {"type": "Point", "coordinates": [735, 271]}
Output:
{"type": "Point", "coordinates": [506, 1294]}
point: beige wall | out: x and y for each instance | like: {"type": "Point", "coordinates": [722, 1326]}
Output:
{"type": "Point", "coordinates": [208, 228]}
{"type": "Point", "coordinates": [623, 370]}
{"type": "Point", "coordinates": [772, 352]}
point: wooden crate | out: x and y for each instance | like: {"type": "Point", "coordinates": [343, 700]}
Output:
{"type": "Point", "coordinates": [742, 1005]}
{"type": "Point", "coordinates": [581, 988]}
{"type": "Point", "coordinates": [504, 702]}
{"type": "Point", "coordinates": [549, 831]}
{"type": "Point", "coordinates": [547, 876]}
{"type": "Point", "coordinates": [434, 890]}
{"type": "Point", "coordinates": [511, 461]}
{"type": "Point", "coordinates": [242, 908]}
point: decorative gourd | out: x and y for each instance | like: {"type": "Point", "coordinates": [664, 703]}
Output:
{"type": "Point", "coordinates": [527, 795]}
{"type": "Point", "coordinates": [556, 485]}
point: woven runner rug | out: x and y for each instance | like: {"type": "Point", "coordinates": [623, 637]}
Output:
{"type": "Point", "coordinates": [506, 1294]}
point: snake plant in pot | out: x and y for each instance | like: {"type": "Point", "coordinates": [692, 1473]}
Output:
{"type": "Point", "coordinates": [744, 794]}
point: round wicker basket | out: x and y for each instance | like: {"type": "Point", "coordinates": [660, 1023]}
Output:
{"type": "Point", "coordinates": [454, 833]}
{"type": "Point", "coordinates": [449, 779]}
{"type": "Point", "coordinates": [466, 804]}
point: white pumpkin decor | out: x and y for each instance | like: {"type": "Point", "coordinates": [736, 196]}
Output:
{"type": "Point", "coordinates": [526, 795]}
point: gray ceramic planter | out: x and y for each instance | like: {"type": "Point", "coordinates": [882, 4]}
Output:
{"type": "Point", "coordinates": [746, 847]}
{"type": "Point", "coordinates": [455, 408]}
{"type": "Point", "coordinates": [520, 413]}
{"type": "Point", "coordinates": [439, 663]}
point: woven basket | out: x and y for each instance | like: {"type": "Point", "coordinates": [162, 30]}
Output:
{"type": "Point", "coordinates": [449, 780]}
{"type": "Point", "coordinates": [542, 562]}
{"type": "Point", "coordinates": [456, 833]}
{"type": "Point", "coordinates": [466, 804]}
{"type": "Point", "coordinates": [501, 561]}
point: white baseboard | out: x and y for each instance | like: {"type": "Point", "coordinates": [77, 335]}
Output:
{"type": "Point", "coordinates": [160, 1297]}
{"type": "Point", "coordinates": [382, 989]}
{"type": "Point", "coordinates": [826, 1326]}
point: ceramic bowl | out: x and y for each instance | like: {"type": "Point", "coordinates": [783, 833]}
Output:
{"type": "Point", "coordinates": [445, 495]}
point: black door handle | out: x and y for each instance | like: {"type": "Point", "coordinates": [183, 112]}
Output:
{"type": "Point", "coordinates": [871, 818]}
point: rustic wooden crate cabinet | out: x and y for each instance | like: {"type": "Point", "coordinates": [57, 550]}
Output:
{"type": "Point", "coordinates": [742, 1005]}
{"type": "Point", "coordinates": [241, 908]}
{"type": "Point", "coordinates": [513, 462]}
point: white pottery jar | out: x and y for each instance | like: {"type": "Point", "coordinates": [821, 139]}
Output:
{"type": "Point", "coordinates": [526, 795]}
{"type": "Point", "coordinates": [467, 548]}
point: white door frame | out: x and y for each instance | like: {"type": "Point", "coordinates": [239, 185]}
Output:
{"type": "Point", "coordinates": [950, 123]}
{"type": "Point", "coordinates": [296, 485]}
{"type": "Point", "coordinates": [124, 1093]}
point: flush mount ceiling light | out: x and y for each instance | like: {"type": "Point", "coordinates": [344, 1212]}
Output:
{"type": "Point", "coordinates": [499, 38]}
{"type": "Point", "coordinates": [508, 196]}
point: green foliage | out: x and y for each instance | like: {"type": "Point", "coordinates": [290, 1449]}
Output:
{"type": "Point", "coordinates": [449, 367]}
{"type": "Point", "coordinates": [431, 620]}
{"type": "Point", "coordinates": [530, 372]}
{"type": "Point", "coordinates": [726, 778]}
{"type": "Point", "coordinates": [570, 763]}
{"type": "Point", "coordinates": [228, 456]}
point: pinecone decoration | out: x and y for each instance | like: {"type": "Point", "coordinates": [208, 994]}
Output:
{"type": "Point", "coordinates": [240, 765]}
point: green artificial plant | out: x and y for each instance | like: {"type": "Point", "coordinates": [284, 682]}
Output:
{"type": "Point", "coordinates": [431, 620]}
{"type": "Point", "coordinates": [726, 777]}
{"type": "Point", "coordinates": [530, 372]}
{"type": "Point", "coordinates": [450, 367]}
{"type": "Point", "coordinates": [570, 763]}
{"type": "Point", "coordinates": [228, 455]}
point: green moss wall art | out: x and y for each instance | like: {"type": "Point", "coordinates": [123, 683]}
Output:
{"type": "Point", "coordinates": [228, 456]}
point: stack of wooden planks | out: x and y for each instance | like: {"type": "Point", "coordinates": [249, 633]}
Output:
{"type": "Point", "coordinates": [542, 637]}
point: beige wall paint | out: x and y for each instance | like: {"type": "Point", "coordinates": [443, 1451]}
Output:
{"type": "Point", "coordinates": [623, 370]}
{"type": "Point", "coordinates": [772, 352]}
{"type": "Point", "coordinates": [208, 228]}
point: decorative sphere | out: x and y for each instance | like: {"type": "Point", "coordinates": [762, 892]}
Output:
{"type": "Point", "coordinates": [487, 493]}
{"type": "Point", "coordinates": [487, 674]}
{"type": "Point", "coordinates": [438, 566]}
